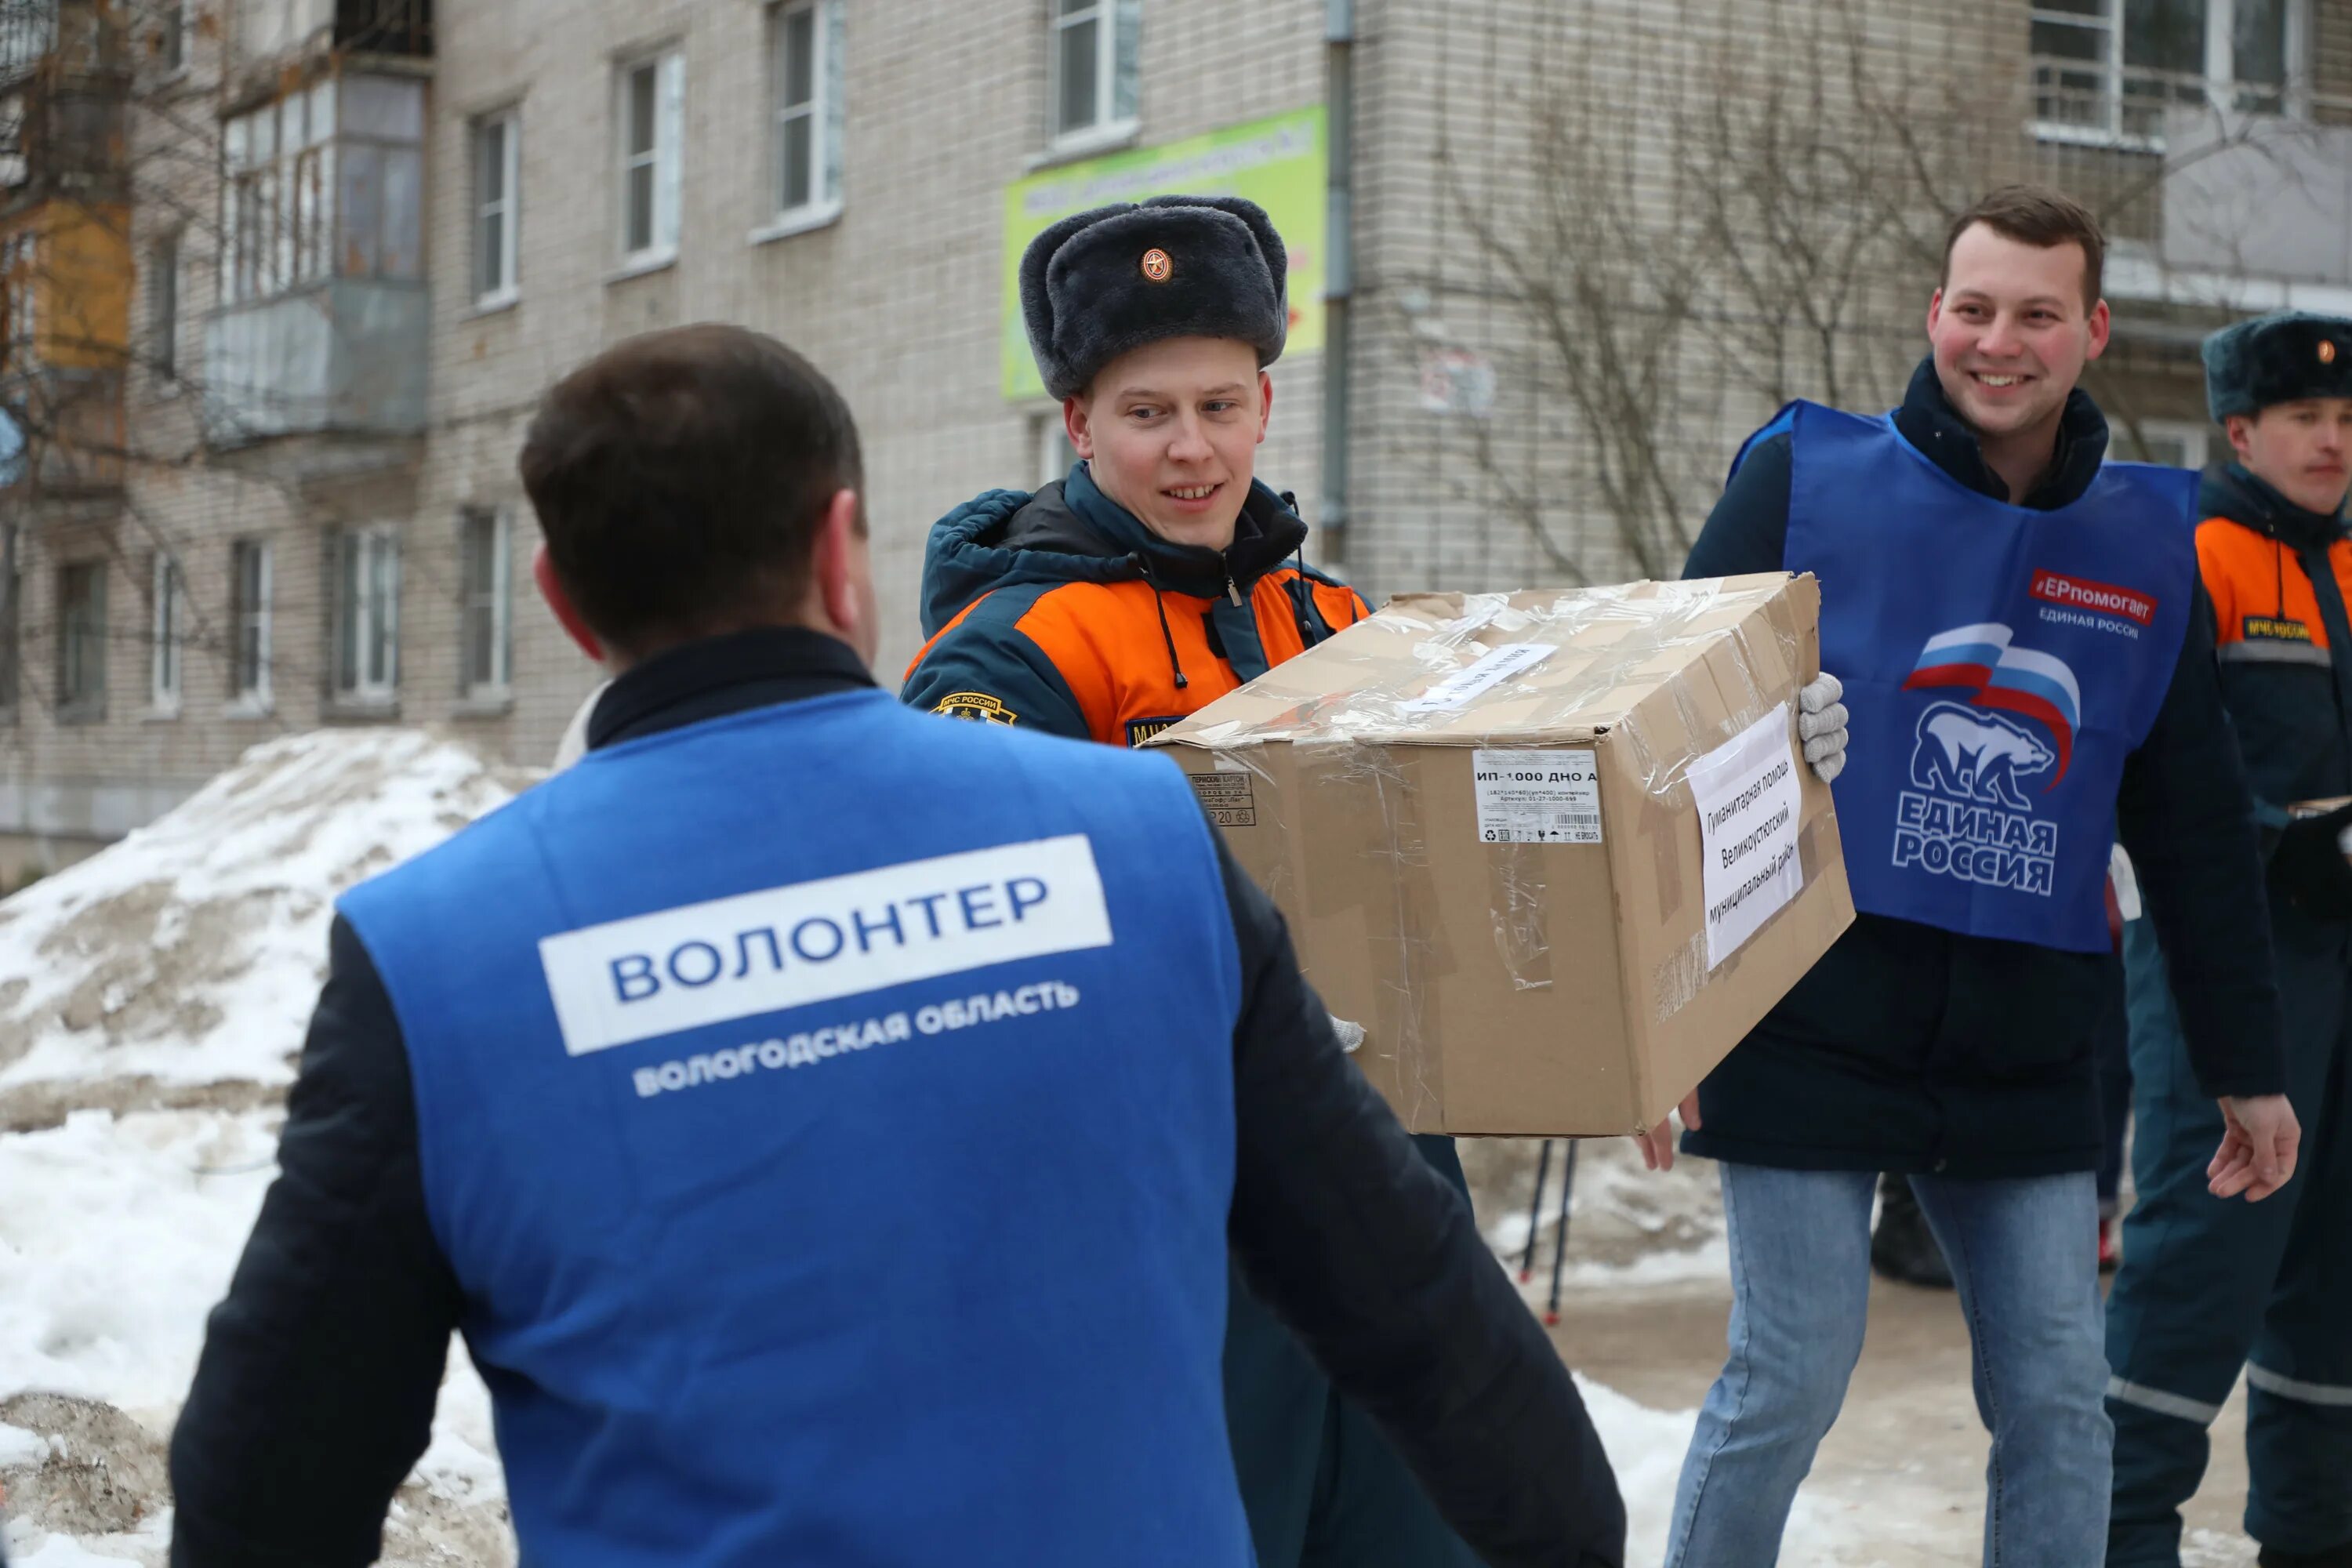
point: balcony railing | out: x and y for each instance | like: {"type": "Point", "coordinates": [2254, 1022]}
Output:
{"type": "Point", "coordinates": [2128, 107]}
{"type": "Point", "coordinates": [2220, 182]}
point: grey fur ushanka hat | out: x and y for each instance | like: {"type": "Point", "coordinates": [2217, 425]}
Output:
{"type": "Point", "coordinates": [2278, 358]}
{"type": "Point", "coordinates": [1103, 283]}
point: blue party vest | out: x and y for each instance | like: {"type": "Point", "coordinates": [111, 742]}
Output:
{"type": "Point", "coordinates": [2000, 664]}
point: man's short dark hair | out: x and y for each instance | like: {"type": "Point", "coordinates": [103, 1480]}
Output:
{"type": "Point", "coordinates": [681, 477]}
{"type": "Point", "coordinates": [2037, 216]}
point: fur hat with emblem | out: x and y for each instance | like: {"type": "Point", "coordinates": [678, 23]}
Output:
{"type": "Point", "coordinates": [2277, 358]}
{"type": "Point", "coordinates": [1103, 283]}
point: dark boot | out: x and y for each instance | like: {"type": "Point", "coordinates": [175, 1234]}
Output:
{"type": "Point", "coordinates": [2334, 1557]}
{"type": "Point", "coordinates": [1903, 1248]}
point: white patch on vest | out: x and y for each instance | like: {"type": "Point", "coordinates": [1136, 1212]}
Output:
{"type": "Point", "coordinates": [788, 947]}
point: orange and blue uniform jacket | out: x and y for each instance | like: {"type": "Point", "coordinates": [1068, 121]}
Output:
{"type": "Point", "coordinates": [2279, 578]}
{"type": "Point", "coordinates": [1060, 611]}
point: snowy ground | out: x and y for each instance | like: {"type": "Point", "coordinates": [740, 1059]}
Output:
{"type": "Point", "coordinates": [152, 1002]}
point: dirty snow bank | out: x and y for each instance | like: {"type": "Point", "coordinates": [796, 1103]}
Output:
{"type": "Point", "coordinates": [190, 954]}
{"type": "Point", "coordinates": [153, 1001]}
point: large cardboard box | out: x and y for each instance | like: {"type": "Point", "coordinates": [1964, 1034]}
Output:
{"type": "Point", "coordinates": [1555, 852]}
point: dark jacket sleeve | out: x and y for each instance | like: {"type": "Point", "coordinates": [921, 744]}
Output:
{"type": "Point", "coordinates": [2186, 816]}
{"type": "Point", "coordinates": [1748, 529]}
{"type": "Point", "coordinates": [1375, 1262]}
{"type": "Point", "coordinates": [314, 1395]}
{"type": "Point", "coordinates": [984, 657]}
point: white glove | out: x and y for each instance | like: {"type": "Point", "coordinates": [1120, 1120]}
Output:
{"type": "Point", "coordinates": [1820, 725]}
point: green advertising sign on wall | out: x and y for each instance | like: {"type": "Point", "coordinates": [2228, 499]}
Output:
{"type": "Point", "coordinates": [1278, 162]}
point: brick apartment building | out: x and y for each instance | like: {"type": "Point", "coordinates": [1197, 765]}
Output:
{"type": "Point", "coordinates": [284, 277]}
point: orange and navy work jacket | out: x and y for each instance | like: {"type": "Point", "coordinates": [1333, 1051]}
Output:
{"type": "Point", "coordinates": [1060, 612]}
{"type": "Point", "coordinates": [2279, 579]}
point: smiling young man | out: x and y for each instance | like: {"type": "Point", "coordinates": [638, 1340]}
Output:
{"type": "Point", "coordinates": [2029, 668]}
{"type": "Point", "coordinates": [1157, 576]}
{"type": "Point", "coordinates": [1160, 574]}
{"type": "Point", "coordinates": [2206, 1290]}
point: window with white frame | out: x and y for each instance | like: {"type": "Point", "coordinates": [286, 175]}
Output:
{"type": "Point", "coordinates": [498, 205]}
{"type": "Point", "coordinates": [649, 114]}
{"type": "Point", "coordinates": [248, 615]}
{"type": "Point", "coordinates": [486, 608]}
{"type": "Point", "coordinates": [11, 582]}
{"type": "Point", "coordinates": [2108, 70]}
{"type": "Point", "coordinates": [81, 638]}
{"type": "Point", "coordinates": [1055, 453]}
{"type": "Point", "coordinates": [20, 258]}
{"type": "Point", "coordinates": [805, 73]}
{"type": "Point", "coordinates": [1094, 71]}
{"type": "Point", "coordinates": [167, 631]}
{"type": "Point", "coordinates": [366, 614]}
{"type": "Point", "coordinates": [163, 304]}
{"type": "Point", "coordinates": [2176, 444]}
{"type": "Point", "coordinates": [172, 35]}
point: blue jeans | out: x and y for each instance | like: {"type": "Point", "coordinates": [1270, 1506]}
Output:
{"type": "Point", "coordinates": [2028, 1287]}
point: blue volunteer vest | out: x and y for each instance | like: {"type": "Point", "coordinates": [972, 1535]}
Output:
{"type": "Point", "coordinates": [828, 1113]}
{"type": "Point", "coordinates": [2000, 663]}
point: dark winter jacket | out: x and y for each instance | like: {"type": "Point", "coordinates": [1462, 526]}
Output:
{"type": "Point", "coordinates": [1916, 1050]}
{"type": "Point", "coordinates": [1063, 612]}
{"type": "Point", "coordinates": [316, 1390]}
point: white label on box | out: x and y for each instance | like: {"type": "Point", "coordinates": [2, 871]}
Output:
{"type": "Point", "coordinates": [1749, 808]}
{"type": "Point", "coordinates": [1457, 690]}
{"type": "Point", "coordinates": [1537, 797]}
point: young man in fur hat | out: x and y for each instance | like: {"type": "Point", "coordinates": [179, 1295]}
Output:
{"type": "Point", "coordinates": [2208, 1288]}
{"type": "Point", "coordinates": [1157, 576]}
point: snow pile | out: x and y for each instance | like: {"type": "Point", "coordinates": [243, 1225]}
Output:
{"type": "Point", "coordinates": [1627, 1225]}
{"type": "Point", "coordinates": [152, 1002]}
{"type": "Point", "coordinates": [191, 953]}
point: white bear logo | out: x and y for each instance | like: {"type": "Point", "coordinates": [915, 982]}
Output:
{"type": "Point", "coordinates": [1975, 754]}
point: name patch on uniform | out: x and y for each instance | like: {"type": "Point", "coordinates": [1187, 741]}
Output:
{"type": "Point", "coordinates": [2270, 629]}
{"type": "Point", "coordinates": [977, 705]}
{"type": "Point", "coordinates": [805, 942]}
{"type": "Point", "coordinates": [1141, 730]}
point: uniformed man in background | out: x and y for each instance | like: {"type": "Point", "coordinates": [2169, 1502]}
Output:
{"type": "Point", "coordinates": [2208, 1288]}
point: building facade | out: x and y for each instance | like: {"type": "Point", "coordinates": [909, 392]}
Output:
{"type": "Point", "coordinates": [285, 277]}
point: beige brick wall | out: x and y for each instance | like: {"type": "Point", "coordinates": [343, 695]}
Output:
{"type": "Point", "coordinates": [2331, 72]}
{"type": "Point", "coordinates": [898, 299]}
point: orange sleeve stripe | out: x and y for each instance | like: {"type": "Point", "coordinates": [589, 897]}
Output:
{"type": "Point", "coordinates": [914, 663]}
{"type": "Point", "coordinates": [1071, 625]}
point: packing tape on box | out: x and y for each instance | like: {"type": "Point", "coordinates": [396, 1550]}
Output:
{"type": "Point", "coordinates": [1481, 649]}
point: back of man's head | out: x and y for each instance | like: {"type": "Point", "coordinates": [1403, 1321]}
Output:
{"type": "Point", "coordinates": [681, 477]}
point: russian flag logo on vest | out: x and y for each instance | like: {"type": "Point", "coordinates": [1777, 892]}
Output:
{"type": "Point", "coordinates": [1981, 659]}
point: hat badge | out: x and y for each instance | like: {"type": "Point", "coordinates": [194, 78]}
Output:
{"type": "Point", "coordinates": [2327, 351]}
{"type": "Point", "coordinates": [1157, 266]}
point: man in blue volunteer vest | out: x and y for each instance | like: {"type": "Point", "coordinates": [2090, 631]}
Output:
{"type": "Point", "coordinates": [2029, 673]}
{"type": "Point", "coordinates": [827, 1125]}
{"type": "Point", "coordinates": [2208, 1291]}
